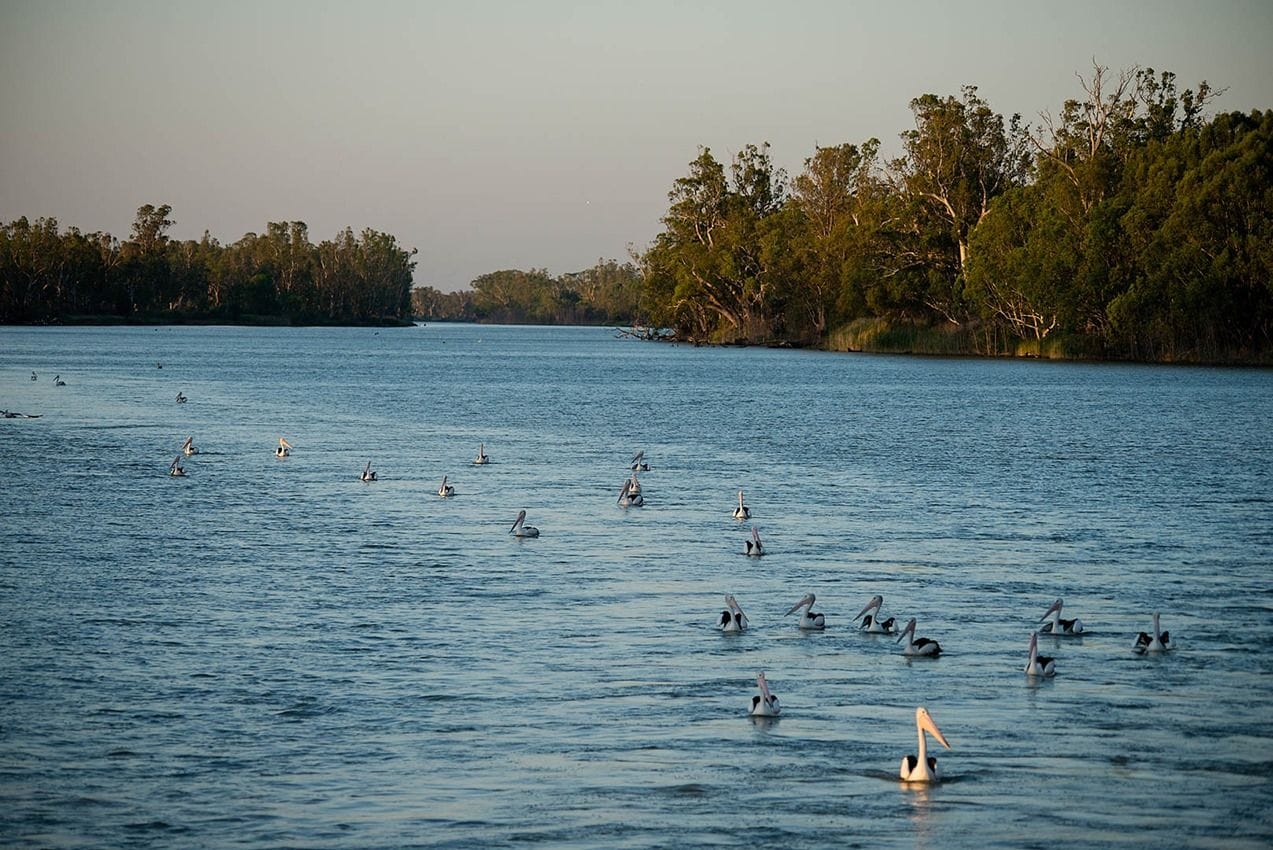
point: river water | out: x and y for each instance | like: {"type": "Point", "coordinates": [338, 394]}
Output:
{"type": "Point", "coordinates": [271, 653]}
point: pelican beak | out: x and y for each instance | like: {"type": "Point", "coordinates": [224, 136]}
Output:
{"type": "Point", "coordinates": [926, 723]}
{"type": "Point", "coordinates": [805, 600]}
{"type": "Point", "coordinates": [1056, 606]}
{"type": "Point", "coordinates": [909, 630]}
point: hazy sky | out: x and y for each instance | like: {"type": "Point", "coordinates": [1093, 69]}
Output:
{"type": "Point", "coordinates": [496, 135]}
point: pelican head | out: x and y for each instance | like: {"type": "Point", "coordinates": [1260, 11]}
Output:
{"type": "Point", "coordinates": [925, 722]}
{"type": "Point", "coordinates": [517, 523]}
{"type": "Point", "coordinates": [908, 630]}
{"type": "Point", "coordinates": [806, 600]}
{"type": "Point", "coordinates": [1055, 609]}
{"type": "Point", "coordinates": [876, 603]}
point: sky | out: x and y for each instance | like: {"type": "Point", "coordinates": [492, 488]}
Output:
{"type": "Point", "coordinates": [496, 135]}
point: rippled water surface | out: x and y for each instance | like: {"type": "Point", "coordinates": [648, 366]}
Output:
{"type": "Point", "coordinates": [271, 653]}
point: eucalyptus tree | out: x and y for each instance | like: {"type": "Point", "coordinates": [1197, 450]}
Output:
{"type": "Point", "coordinates": [960, 156]}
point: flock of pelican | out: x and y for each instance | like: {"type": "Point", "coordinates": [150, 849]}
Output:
{"type": "Point", "coordinates": [916, 767]}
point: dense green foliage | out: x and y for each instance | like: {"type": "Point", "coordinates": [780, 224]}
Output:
{"type": "Point", "coordinates": [607, 293]}
{"type": "Point", "coordinates": [1128, 226]}
{"type": "Point", "coordinates": [47, 274]}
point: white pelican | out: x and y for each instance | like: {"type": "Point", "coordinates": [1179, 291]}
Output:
{"type": "Point", "coordinates": [754, 547]}
{"type": "Point", "coordinates": [922, 647]}
{"type": "Point", "coordinates": [809, 619]}
{"type": "Point", "coordinates": [1159, 642]}
{"type": "Point", "coordinates": [1036, 664]}
{"type": "Point", "coordinates": [872, 622]}
{"type": "Point", "coordinates": [1059, 626]}
{"type": "Point", "coordinates": [631, 496]}
{"type": "Point", "coordinates": [284, 448]}
{"type": "Point", "coordinates": [187, 448]}
{"type": "Point", "coordinates": [446, 490]}
{"type": "Point", "coordinates": [520, 529]}
{"type": "Point", "coordinates": [368, 474]}
{"type": "Point", "coordinates": [481, 455]}
{"type": "Point", "coordinates": [766, 704]}
{"type": "Point", "coordinates": [638, 464]}
{"type": "Point", "coordinates": [732, 619]}
{"type": "Point", "coordinates": [181, 399]}
{"type": "Point", "coordinates": [58, 382]}
{"type": "Point", "coordinates": [175, 469]}
{"type": "Point", "coordinates": [923, 767]}
{"type": "Point", "coordinates": [742, 511]}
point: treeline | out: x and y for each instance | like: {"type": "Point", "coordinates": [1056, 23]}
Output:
{"type": "Point", "coordinates": [49, 274]}
{"type": "Point", "coordinates": [607, 293]}
{"type": "Point", "coordinates": [1126, 226]}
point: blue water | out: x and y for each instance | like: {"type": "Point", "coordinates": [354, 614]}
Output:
{"type": "Point", "coordinates": [271, 653]}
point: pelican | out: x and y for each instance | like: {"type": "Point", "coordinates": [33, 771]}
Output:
{"type": "Point", "coordinates": [368, 474]}
{"type": "Point", "coordinates": [766, 704]}
{"type": "Point", "coordinates": [638, 464]}
{"type": "Point", "coordinates": [754, 547]}
{"type": "Point", "coordinates": [175, 469]}
{"type": "Point", "coordinates": [1159, 642]}
{"type": "Point", "coordinates": [446, 490]}
{"type": "Point", "coordinates": [1039, 665]}
{"type": "Point", "coordinates": [187, 448]}
{"type": "Point", "coordinates": [58, 382]}
{"type": "Point", "coordinates": [34, 377]}
{"type": "Point", "coordinates": [1059, 626]}
{"type": "Point", "coordinates": [181, 399]}
{"type": "Point", "coordinates": [809, 619]}
{"type": "Point", "coordinates": [519, 529]}
{"type": "Point", "coordinates": [742, 511]}
{"type": "Point", "coordinates": [922, 647]}
{"type": "Point", "coordinates": [284, 448]}
{"type": "Point", "coordinates": [923, 767]}
{"type": "Point", "coordinates": [732, 619]}
{"type": "Point", "coordinates": [630, 496]}
{"type": "Point", "coordinates": [481, 455]}
{"type": "Point", "coordinates": [872, 622]}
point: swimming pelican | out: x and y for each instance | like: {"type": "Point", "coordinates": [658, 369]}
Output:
{"type": "Point", "coordinates": [922, 647]}
{"type": "Point", "coordinates": [368, 474]}
{"type": "Point", "coordinates": [34, 377]}
{"type": "Point", "coordinates": [58, 382]}
{"type": "Point", "coordinates": [1039, 665]}
{"type": "Point", "coordinates": [284, 448]}
{"type": "Point", "coordinates": [481, 455]}
{"type": "Point", "coordinates": [923, 767]}
{"type": "Point", "coordinates": [732, 619]}
{"type": "Point", "coordinates": [766, 704]}
{"type": "Point", "coordinates": [872, 622]}
{"type": "Point", "coordinates": [175, 469]}
{"type": "Point", "coordinates": [754, 547]}
{"type": "Point", "coordinates": [630, 496]}
{"type": "Point", "coordinates": [1059, 626]}
{"type": "Point", "coordinates": [446, 490]}
{"type": "Point", "coordinates": [181, 399]}
{"type": "Point", "coordinates": [519, 528]}
{"type": "Point", "coordinates": [187, 448]}
{"type": "Point", "coordinates": [742, 511]}
{"type": "Point", "coordinates": [809, 619]}
{"type": "Point", "coordinates": [638, 464]}
{"type": "Point", "coordinates": [1159, 642]}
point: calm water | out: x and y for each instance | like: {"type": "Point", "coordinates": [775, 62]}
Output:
{"type": "Point", "coordinates": [271, 653]}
